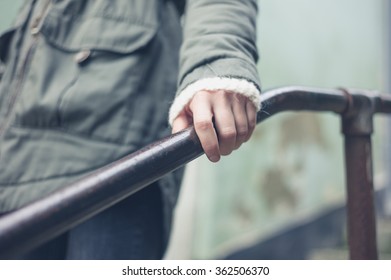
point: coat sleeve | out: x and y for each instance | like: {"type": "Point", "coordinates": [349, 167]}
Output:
{"type": "Point", "coordinates": [218, 51]}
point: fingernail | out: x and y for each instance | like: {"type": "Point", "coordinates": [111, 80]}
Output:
{"type": "Point", "coordinates": [214, 158]}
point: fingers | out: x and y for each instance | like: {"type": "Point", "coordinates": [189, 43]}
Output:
{"type": "Point", "coordinates": [225, 125]}
{"type": "Point", "coordinates": [222, 120]}
{"type": "Point", "coordinates": [241, 120]}
{"type": "Point", "coordinates": [251, 118]}
{"type": "Point", "coordinates": [201, 107]}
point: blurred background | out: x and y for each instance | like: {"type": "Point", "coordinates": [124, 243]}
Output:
{"type": "Point", "coordinates": [282, 195]}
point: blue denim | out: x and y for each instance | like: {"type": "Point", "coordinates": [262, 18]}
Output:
{"type": "Point", "coordinates": [131, 229]}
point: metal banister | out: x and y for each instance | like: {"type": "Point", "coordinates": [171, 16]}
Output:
{"type": "Point", "coordinates": [46, 218]}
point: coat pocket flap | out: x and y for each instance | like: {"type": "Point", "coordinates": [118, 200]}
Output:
{"type": "Point", "coordinates": [96, 33]}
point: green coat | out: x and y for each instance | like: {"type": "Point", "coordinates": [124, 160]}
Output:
{"type": "Point", "coordinates": [88, 82]}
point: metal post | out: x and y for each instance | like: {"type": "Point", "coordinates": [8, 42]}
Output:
{"type": "Point", "coordinates": [357, 127]}
{"type": "Point", "coordinates": [386, 78]}
{"type": "Point", "coordinates": [360, 197]}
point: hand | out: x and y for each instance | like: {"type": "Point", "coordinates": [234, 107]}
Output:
{"type": "Point", "coordinates": [223, 120]}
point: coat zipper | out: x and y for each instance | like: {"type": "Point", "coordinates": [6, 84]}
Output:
{"type": "Point", "coordinates": [35, 29]}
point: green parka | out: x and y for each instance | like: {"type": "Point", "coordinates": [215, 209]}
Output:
{"type": "Point", "coordinates": [84, 83]}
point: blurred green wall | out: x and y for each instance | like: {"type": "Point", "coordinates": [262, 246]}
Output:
{"type": "Point", "coordinates": [292, 168]}
{"type": "Point", "coordinates": [8, 10]}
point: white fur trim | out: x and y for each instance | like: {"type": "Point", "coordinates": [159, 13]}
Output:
{"type": "Point", "coordinates": [239, 86]}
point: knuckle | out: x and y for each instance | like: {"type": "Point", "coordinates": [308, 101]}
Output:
{"type": "Point", "coordinates": [224, 94]}
{"type": "Point", "coordinates": [228, 133]}
{"type": "Point", "coordinates": [240, 98]}
{"type": "Point", "coordinates": [221, 92]}
{"type": "Point", "coordinates": [242, 132]}
{"type": "Point", "coordinates": [203, 125]}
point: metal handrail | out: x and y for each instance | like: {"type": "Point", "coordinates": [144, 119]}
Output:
{"type": "Point", "coordinates": [46, 218]}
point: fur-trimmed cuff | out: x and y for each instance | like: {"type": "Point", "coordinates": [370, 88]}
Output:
{"type": "Point", "coordinates": [239, 86]}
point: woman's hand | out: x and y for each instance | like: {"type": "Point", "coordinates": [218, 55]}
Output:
{"type": "Point", "coordinates": [223, 120]}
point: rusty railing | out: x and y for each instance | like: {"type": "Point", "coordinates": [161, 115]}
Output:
{"type": "Point", "coordinates": [44, 219]}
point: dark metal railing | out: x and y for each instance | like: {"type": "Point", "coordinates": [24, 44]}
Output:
{"type": "Point", "coordinates": [50, 216]}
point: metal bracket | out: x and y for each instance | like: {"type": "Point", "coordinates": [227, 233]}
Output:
{"type": "Point", "coordinates": [358, 116]}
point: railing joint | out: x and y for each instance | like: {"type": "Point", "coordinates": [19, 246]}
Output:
{"type": "Point", "coordinates": [357, 119]}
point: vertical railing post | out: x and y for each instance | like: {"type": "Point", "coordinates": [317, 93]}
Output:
{"type": "Point", "coordinates": [386, 75]}
{"type": "Point", "coordinates": [357, 127]}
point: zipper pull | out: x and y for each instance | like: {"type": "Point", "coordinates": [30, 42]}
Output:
{"type": "Point", "coordinates": [37, 23]}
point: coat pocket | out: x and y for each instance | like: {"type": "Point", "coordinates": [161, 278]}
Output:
{"type": "Point", "coordinates": [86, 75]}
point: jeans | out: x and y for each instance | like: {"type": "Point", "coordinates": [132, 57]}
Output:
{"type": "Point", "coordinates": [131, 229]}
